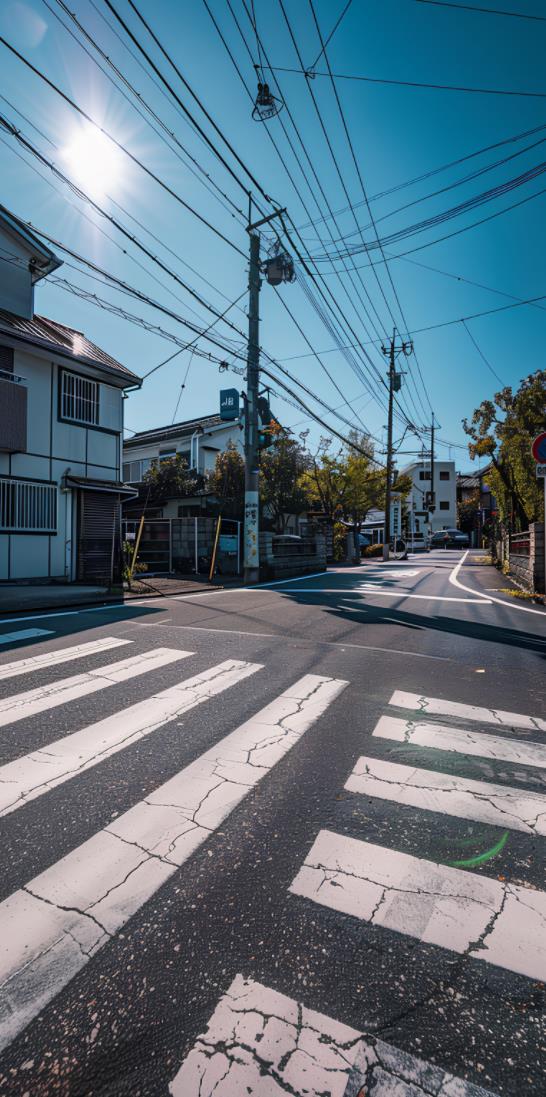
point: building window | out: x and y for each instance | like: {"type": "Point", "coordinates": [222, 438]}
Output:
{"type": "Point", "coordinates": [79, 398]}
{"type": "Point", "coordinates": [134, 471]}
{"type": "Point", "coordinates": [6, 360]}
{"type": "Point", "coordinates": [444, 505]}
{"type": "Point", "coordinates": [166, 455]}
{"type": "Point", "coordinates": [444, 475]}
{"type": "Point", "coordinates": [424, 474]}
{"type": "Point", "coordinates": [27, 506]}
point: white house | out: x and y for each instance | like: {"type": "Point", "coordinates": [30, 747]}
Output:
{"type": "Point", "coordinates": [61, 424]}
{"type": "Point", "coordinates": [421, 521]}
{"type": "Point", "coordinates": [198, 441]}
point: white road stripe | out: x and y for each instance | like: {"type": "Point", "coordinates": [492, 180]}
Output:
{"type": "Point", "coordinates": [442, 737]}
{"type": "Point", "coordinates": [261, 1042]}
{"type": "Point", "coordinates": [501, 923]}
{"type": "Point", "coordinates": [63, 655]}
{"type": "Point", "coordinates": [453, 578]}
{"type": "Point", "coordinates": [437, 707]}
{"type": "Point", "coordinates": [50, 928]}
{"type": "Point", "coordinates": [481, 801]}
{"type": "Point", "coordinates": [27, 778]}
{"type": "Point", "coordinates": [24, 634]}
{"type": "Point", "coordinates": [21, 705]}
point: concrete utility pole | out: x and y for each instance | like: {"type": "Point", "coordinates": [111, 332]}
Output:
{"type": "Point", "coordinates": [432, 506]}
{"type": "Point", "coordinates": [252, 463]}
{"type": "Point", "coordinates": [395, 384]}
{"type": "Point", "coordinates": [252, 472]}
{"type": "Point", "coordinates": [391, 375]}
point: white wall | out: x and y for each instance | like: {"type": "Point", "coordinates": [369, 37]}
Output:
{"type": "Point", "coordinates": [53, 447]}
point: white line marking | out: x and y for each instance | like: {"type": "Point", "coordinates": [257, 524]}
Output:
{"type": "Point", "coordinates": [24, 634]}
{"type": "Point", "coordinates": [31, 776]}
{"type": "Point", "coordinates": [21, 705]}
{"type": "Point", "coordinates": [454, 579]}
{"type": "Point", "coordinates": [352, 592]}
{"type": "Point", "coordinates": [501, 923]}
{"type": "Point", "coordinates": [424, 705]}
{"type": "Point", "coordinates": [50, 928]}
{"type": "Point", "coordinates": [443, 737]}
{"type": "Point", "coordinates": [431, 791]}
{"type": "Point", "coordinates": [63, 655]}
{"type": "Point", "coordinates": [263, 1043]}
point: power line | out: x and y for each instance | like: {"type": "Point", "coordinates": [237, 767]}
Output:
{"type": "Point", "coordinates": [120, 146]}
{"type": "Point", "coordinates": [484, 11]}
{"type": "Point", "coordinates": [331, 34]}
{"type": "Point", "coordinates": [480, 352]}
{"type": "Point", "coordinates": [117, 224]}
{"type": "Point", "coordinates": [412, 83]}
{"type": "Point", "coordinates": [436, 171]}
{"type": "Point", "coordinates": [365, 196]}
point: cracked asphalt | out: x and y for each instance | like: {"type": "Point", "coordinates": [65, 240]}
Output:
{"type": "Point", "coordinates": [146, 971]}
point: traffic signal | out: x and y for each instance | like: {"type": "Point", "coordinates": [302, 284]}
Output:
{"type": "Point", "coordinates": [265, 421]}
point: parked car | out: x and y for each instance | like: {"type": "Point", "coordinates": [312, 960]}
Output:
{"type": "Point", "coordinates": [449, 538]}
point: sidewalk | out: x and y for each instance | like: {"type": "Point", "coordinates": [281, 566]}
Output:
{"type": "Point", "coordinates": [487, 579]}
{"type": "Point", "coordinates": [25, 598]}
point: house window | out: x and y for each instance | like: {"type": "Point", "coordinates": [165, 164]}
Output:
{"type": "Point", "coordinates": [444, 475]}
{"type": "Point", "coordinates": [27, 506]}
{"type": "Point", "coordinates": [79, 398]}
{"type": "Point", "coordinates": [424, 474]}
{"type": "Point", "coordinates": [444, 505]}
{"type": "Point", "coordinates": [166, 455]}
{"type": "Point", "coordinates": [6, 360]}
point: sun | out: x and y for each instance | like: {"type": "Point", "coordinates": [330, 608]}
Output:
{"type": "Point", "coordinates": [94, 161]}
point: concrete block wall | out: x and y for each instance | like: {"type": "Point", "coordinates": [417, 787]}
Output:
{"type": "Point", "coordinates": [275, 566]}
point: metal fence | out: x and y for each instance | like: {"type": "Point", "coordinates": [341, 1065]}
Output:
{"type": "Point", "coordinates": [184, 546]}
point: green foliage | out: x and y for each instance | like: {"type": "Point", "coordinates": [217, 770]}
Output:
{"type": "Point", "coordinates": [339, 541]}
{"type": "Point", "coordinates": [171, 479]}
{"type": "Point", "coordinates": [227, 481]}
{"type": "Point", "coordinates": [128, 550]}
{"type": "Point", "coordinates": [502, 430]}
{"type": "Point", "coordinates": [282, 487]}
{"type": "Point", "coordinates": [346, 483]}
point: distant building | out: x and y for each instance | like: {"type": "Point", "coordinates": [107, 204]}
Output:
{"type": "Point", "coordinates": [477, 502]}
{"type": "Point", "coordinates": [198, 441]}
{"type": "Point", "coordinates": [61, 424]}
{"type": "Point", "coordinates": [420, 520]}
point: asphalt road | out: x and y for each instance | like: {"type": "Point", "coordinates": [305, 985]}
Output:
{"type": "Point", "coordinates": [287, 840]}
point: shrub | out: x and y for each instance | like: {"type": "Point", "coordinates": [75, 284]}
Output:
{"type": "Point", "coordinates": [373, 550]}
{"type": "Point", "coordinates": [340, 541]}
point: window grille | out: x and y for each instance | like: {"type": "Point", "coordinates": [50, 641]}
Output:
{"type": "Point", "coordinates": [27, 506]}
{"type": "Point", "coordinates": [79, 398]}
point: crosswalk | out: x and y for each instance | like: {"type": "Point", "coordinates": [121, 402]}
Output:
{"type": "Point", "coordinates": [258, 1040]}
{"type": "Point", "coordinates": [52, 926]}
{"type": "Point", "coordinates": [492, 920]}
{"type": "Point", "coordinates": [264, 1043]}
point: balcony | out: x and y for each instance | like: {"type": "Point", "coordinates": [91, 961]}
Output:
{"type": "Point", "coordinates": [13, 413]}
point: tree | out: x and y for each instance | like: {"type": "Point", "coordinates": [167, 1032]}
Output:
{"type": "Point", "coordinates": [282, 490]}
{"type": "Point", "coordinates": [348, 484]}
{"type": "Point", "coordinates": [467, 512]}
{"type": "Point", "coordinates": [227, 481]}
{"type": "Point", "coordinates": [502, 430]}
{"type": "Point", "coordinates": [171, 479]}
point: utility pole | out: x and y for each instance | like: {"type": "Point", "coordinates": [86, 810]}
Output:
{"type": "Point", "coordinates": [432, 507]}
{"type": "Point", "coordinates": [252, 472]}
{"type": "Point", "coordinates": [395, 384]}
{"type": "Point", "coordinates": [391, 375]}
{"type": "Point", "coordinates": [252, 463]}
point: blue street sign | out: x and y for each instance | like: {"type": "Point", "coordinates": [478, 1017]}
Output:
{"type": "Point", "coordinates": [229, 404]}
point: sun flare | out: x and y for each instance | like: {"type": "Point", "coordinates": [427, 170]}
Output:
{"type": "Point", "coordinates": [94, 161]}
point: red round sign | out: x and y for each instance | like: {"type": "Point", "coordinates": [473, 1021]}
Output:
{"type": "Point", "coordinates": [539, 449]}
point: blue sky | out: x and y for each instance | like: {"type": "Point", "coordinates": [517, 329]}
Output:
{"type": "Point", "coordinates": [397, 133]}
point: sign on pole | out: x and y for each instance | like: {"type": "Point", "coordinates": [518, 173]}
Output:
{"type": "Point", "coordinates": [229, 404]}
{"type": "Point", "coordinates": [538, 448]}
{"type": "Point", "coordinates": [540, 471]}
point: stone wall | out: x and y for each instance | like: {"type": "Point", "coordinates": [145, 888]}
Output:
{"type": "Point", "coordinates": [281, 558]}
{"type": "Point", "coordinates": [526, 559]}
